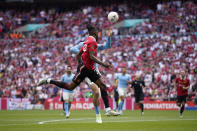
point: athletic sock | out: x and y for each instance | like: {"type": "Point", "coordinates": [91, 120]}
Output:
{"type": "Point", "coordinates": [120, 106]}
{"type": "Point", "coordinates": [97, 109]}
{"type": "Point", "coordinates": [66, 108]}
{"type": "Point", "coordinates": [141, 107]}
{"type": "Point", "coordinates": [104, 96]}
{"type": "Point", "coordinates": [122, 103]}
{"type": "Point", "coordinates": [60, 84]}
{"type": "Point", "coordinates": [182, 109]}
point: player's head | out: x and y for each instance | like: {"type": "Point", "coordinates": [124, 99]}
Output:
{"type": "Point", "coordinates": [124, 70]}
{"type": "Point", "coordinates": [69, 69]}
{"type": "Point", "coordinates": [137, 76]}
{"type": "Point", "coordinates": [182, 73]}
{"type": "Point", "coordinates": [92, 31]}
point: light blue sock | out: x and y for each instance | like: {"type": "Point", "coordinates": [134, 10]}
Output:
{"type": "Point", "coordinates": [66, 108]}
{"type": "Point", "coordinates": [97, 109]}
{"type": "Point", "coordinates": [120, 105]}
{"type": "Point", "coordinates": [69, 105]}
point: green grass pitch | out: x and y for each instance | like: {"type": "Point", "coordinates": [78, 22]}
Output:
{"type": "Point", "coordinates": [84, 120]}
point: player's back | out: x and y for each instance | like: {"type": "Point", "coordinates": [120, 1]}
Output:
{"type": "Point", "coordinates": [89, 45]}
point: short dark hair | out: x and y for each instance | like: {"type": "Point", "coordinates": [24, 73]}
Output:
{"type": "Point", "coordinates": [92, 30]}
{"type": "Point", "coordinates": [69, 66]}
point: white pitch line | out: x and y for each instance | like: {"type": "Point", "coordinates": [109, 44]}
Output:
{"type": "Point", "coordinates": [78, 119]}
{"type": "Point", "coordinates": [81, 120]}
{"type": "Point", "coordinates": [51, 121]}
{"type": "Point", "coordinates": [109, 121]}
{"type": "Point", "coordinates": [18, 124]}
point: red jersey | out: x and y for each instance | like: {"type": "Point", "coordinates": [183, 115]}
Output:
{"type": "Point", "coordinates": [180, 83]}
{"type": "Point", "coordinates": [89, 45]}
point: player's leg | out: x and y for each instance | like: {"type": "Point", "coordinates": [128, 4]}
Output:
{"type": "Point", "coordinates": [78, 78]}
{"type": "Point", "coordinates": [96, 97]}
{"type": "Point", "coordinates": [141, 105]}
{"type": "Point", "coordinates": [121, 93]}
{"type": "Point", "coordinates": [71, 97]}
{"type": "Point", "coordinates": [178, 102]}
{"type": "Point", "coordinates": [182, 107]}
{"type": "Point", "coordinates": [62, 100]}
{"type": "Point", "coordinates": [116, 97]}
{"type": "Point", "coordinates": [66, 101]}
{"type": "Point", "coordinates": [104, 96]}
{"type": "Point", "coordinates": [59, 84]}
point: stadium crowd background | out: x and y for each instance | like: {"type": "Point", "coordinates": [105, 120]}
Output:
{"type": "Point", "coordinates": [157, 48]}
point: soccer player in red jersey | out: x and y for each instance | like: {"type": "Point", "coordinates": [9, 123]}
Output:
{"type": "Point", "coordinates": [88, 55]}
{"type": "Point", "coordinates": [182, 84]}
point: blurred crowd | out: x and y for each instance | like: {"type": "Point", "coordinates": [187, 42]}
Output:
{"type": "Point", "coordinates": [157, 49]}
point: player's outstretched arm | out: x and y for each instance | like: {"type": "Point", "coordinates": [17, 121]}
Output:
{"type": "Point", "coordinates": [175, 84]}
{"type": "Point", "coordinates": [79, 56]}
{"type": "Point", "coordinates": [95, 59]}
{"type": "Point", "coordinates": [75, 49]}
{"type": "Point", "coordinates": [107, 44]}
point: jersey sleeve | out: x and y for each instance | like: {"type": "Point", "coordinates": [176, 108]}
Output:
{"type": "Point", "coordinates": [143, 83]}
{"type": "Point", "coordinates": [129, 78]}
{"type": "Point", "coordinates": [75, 49]}
{"type": "Point", "coordinates": [188, 82]}
{"type": "Point", "coordinates": [62, 78]}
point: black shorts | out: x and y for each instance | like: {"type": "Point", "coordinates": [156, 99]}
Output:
{"type": "Point", "coordinates": [181, 99]}
{"type": "Point", "coordinates": [83, 72]}
{"type": "Point", "coordinates": [61, 99]}
{"type": "Point", "coordinates": [116, 95]}
{"type": "Point", "coordinates": [139, 97]}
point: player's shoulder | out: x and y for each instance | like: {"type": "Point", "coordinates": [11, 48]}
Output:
{"type": "Point", "coordinates": [90, 39]}
{"type": "Point", "coordinates": [117, 74]}
{"type": "Point", "coordinates": [63, 76]}
{"type": "Point", "coordinates": [177, 78]}
{"type": "Point", "coordinates": [187, 79]}
{"type": "Point", "coordinates": [72, 75]}
{"type": "Point", "coordinates": [128, 75]}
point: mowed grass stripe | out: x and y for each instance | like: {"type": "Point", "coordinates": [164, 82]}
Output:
{"type": "Point", "coordinates": [84, 120]}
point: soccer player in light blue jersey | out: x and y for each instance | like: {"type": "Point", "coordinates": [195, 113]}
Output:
{"type": "Point", "coordinates": [75, 49]}
{"type": "Point", "coordinates": [121, 81]}
{"type": "Point", "coordinates": [67, 94]}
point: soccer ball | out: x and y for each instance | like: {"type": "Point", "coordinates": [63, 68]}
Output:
{"type": "Point", "coordinates": [113, 17]}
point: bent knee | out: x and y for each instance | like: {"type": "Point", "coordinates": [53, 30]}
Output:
{"type": "Point", "coordinates": [96, 92]}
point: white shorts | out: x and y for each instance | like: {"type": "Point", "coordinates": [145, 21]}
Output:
{"type": "Point", "coordinates": [68, 96]}
{"type": "Point", "coordinates": [122, 91]}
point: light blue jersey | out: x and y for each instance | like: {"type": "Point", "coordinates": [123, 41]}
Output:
{"type": "Point", "coordinates": [122, 80]}
{"type": "Point", "coordinates": [67, 78]}
{"type": "Point", "coordinates": [106, 45]}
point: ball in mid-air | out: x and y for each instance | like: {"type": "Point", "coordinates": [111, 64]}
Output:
{"type": "Point", "coordinates": [113, 17]}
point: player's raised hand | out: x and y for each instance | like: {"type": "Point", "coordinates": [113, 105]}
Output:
{"type": "Point", "coordinates": [109, 32]}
